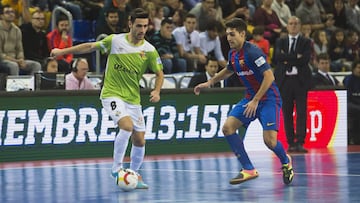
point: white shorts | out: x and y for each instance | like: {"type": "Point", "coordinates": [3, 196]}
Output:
{"type": "Point", "coordinates": [117, 109]}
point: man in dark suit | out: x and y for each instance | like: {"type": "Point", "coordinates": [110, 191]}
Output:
{"type": "Point", "coordinates": [293, 76]}
{"type": "Point", "coordinates": [211, 68]}
{"type": "Point", "coordinates": [322, 77]}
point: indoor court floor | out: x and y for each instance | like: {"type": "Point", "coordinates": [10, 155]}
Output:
{"type": "Point", "coordinates": [331, 175]}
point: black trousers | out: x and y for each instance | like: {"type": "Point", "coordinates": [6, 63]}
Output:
{"type": "Point", "coordinates": [294, 94]}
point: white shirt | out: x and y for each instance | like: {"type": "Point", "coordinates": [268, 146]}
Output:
{"type": "Point", "coordinates": [181, 37]}
{"type": "Point", "coordinates": [207, 45]}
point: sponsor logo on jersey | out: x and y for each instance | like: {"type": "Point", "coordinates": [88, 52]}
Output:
{"type": "Point", "coordinates": [122, 68]}
{"type": "Point", "coordinates": [244, 73]}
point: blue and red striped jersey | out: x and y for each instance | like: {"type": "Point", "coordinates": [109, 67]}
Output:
{"type": "Point", "coordinates": [249, 64]}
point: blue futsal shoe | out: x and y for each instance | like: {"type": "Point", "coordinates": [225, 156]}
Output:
{"type": "Point", "coordinates": [141, 184]}
{"type": "Point", "coordinates": [114, 174]}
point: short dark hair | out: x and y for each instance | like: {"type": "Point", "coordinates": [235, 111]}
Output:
{"type": "Point", "coordinates": [61, 17]}
{"type": "Point", "coordinates": [211, 58]}
{"type": "Point", "coordinates": [189, 15]}
{"type": "Point", "coordinates": [110, 10]}
{"type": "Point", "coordinates": [323, 56]}
{"type": "Point", "coordinates": [3, 7]}
{"type": "Point", "coordinates": [138, 13]}
{"type": "Point", "coordinates": [258, 30]}
{"type": "Point", "coordinates": [166, 21]}
{"type": "Point", "coordinates": [46, 61]}
{"type": "Point", "coordinates": [237, 23]}
{"type": "Point", "coordinates": [37, 10]}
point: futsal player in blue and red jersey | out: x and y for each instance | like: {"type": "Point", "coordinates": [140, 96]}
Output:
{"type": "Point", "coordinates": [262, 101]}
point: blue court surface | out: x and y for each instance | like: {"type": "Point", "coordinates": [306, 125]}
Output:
{"type": "Point", "coordinates": [320, 176]}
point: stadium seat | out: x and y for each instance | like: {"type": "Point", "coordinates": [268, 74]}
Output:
{"type": "Point", "coordinates": [84, 31]}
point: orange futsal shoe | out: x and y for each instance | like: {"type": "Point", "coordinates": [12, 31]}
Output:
{"type": "Point", "coordinates": [244, 175]}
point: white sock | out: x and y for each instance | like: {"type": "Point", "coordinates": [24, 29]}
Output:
{"type": "Point", "coordinates": [120, 145]}
{"type": "Point", "coordinates": [137, 156]}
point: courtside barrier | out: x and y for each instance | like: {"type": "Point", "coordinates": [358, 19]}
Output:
{"type": "Point", "coordinates": [71, 124]}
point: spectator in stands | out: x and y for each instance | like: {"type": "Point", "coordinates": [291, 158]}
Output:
{"type": "Point", "coordinates": [165, 44]}
{"type": "Point", "coordinates": [259, 40]}
{"type": "Point", "coordinates": [210, 43]}
{"type": "Point", "coordinates": [44, 6]}
{"type": "Point", "coordinates": [320, 42]}
{"type": "Point", "coordinates": [188, 42]}
{"type": "Point", "coordinates": [339, 14]}
{"type": "Point", "coordinates": [282, 10]}
{"type": "Point", "coordinates": [111, 26]}
{"type": "Point", "coordinates": [310, 12]}
{"type": "Point", "coordinates": [171, 6]}
{"type": "Point", "coordinates": [206, 10]}
{"type": "Point", "coordinates": [61, 38]}
{"type": "Point", "coordinates": [11, 45]}
{"type": "Point", "coordinates": [211, 68]}
{"type": "Point", "coordinates": [159, 16]}
{"type": "Point", "coordinates": [307, 32]}
{"type": "Point", "coordinates": [352, 12]}
{"type": "Point", "coordinates": [123, 10]}
{"type": "Point", "coordinates": [150, 8]}
{"type": "Point", "coordinates": [352, 84]}
{"type": "Point", "coordinates": [353, 45]}
{"type": "Point", "coordinates": [322, 76]}
{"type": "Point", "coordinates": [77, 78]}
{"type": "Point", "coordinates": [34, 38]}
{"type": "Point", "coordinates": [50, 65]}
{"type": "Point", "coordinates": [21, 9]}
{"type": "Point", "coordinates": [338, 51]}
{"type": "Point", "coordinates": [178, 18]}
{"type": "Point", "coordinates": [236, 9]}
{"type": "Point", "coordinates": [265, 16]}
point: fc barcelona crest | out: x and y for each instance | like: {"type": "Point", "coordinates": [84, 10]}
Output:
{"type": "Point", "coordinates": [241, 62]}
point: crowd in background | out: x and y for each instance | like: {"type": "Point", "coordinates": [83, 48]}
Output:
{"type": "Point", "coordinates": [184, 44]}
{"type": "Point", "coordinates": [188, 34]}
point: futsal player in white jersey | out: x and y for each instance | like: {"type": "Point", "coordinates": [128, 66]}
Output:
{"type": "Point", "coordinates": [129, 56]}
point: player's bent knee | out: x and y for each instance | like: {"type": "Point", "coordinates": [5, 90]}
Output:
{"type": "Point", "coordinates": [126, 124]}
{"type": "Point", "coordinates": [227, 130]}
{"type": "Point", "coordinates": [270, 143]}
{"type": "Point", "coordinates": [138, 142]}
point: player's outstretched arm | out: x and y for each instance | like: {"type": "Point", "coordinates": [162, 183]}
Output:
{"type": "Point", "coordinates": [78, 49]}
{"type": "Point", "coordinates": [223, 74]}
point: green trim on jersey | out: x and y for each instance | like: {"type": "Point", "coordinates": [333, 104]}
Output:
{"type": "Point", "coordinates": [125, 66]}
